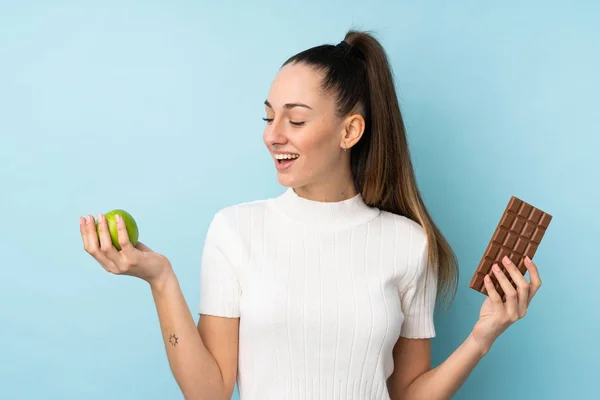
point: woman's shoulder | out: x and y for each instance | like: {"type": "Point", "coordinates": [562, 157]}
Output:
{"type": "Point", "coordinates": [405, 225]}
{"type": "Point", "coordinates": [232, 214]}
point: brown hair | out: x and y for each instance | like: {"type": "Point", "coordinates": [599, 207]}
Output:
{"type": "Point", "coordinates": [360, 77]}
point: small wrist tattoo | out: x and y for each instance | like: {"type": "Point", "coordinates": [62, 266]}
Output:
{"type": "Point", "coordinates": [173, 340]}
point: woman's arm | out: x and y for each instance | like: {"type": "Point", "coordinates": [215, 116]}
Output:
{"type": "Point", "coordinates": [203, 360]}
{"type": "Point", "coordinates": [195, 369]}
{"type": "Point", "coordinates": [495, 317]}
{"type": "Point", "coordinates": [443, 381]}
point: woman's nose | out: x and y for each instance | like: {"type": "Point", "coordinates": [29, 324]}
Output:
{"type": "Point", "coordinates": [274, 134]}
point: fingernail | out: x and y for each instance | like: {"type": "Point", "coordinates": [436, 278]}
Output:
{"type": "Point", "coordinates": [118, 218]}
{"type": "Point", "coordinates": [88, 218]}
{"type": "Point", "coordinates": [99, 217]}
{"type": "Point", "coordinates": [496, 267]}
{"type": "Point", "coordinates": [81, 220]}
{"type": "Point", "coordinates": [505, 260]}
{"type": "Point", "coordinates": [527, 260]}
{"type": "Point", "coordinates": [487, 278]}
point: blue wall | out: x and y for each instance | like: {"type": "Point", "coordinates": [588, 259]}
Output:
{"type": "Point", "coordinates": [156, 107]}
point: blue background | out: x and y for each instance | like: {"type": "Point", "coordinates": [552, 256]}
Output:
{"type": "Point", "coordinates": [156, 107]}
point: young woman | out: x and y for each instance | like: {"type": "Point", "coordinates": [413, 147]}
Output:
{"type": "Point", "coordinates": [329, 289]}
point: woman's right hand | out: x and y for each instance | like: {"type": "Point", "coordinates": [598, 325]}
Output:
{"type": "Point", "coordinates": [139, 260]}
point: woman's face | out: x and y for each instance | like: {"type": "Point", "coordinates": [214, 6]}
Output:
{"type": "Point", "coordinates": [301, 122]}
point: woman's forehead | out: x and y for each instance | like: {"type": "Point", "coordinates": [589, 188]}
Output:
{"type": "Point", "coordinates": [297, 83]}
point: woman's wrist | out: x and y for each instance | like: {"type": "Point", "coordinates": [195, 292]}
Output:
{"type": "Point", "coordinates": [166, 276]}
{"type": "Point", "coordinates": [481, 347]}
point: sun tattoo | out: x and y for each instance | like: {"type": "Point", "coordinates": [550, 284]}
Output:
{"type": "Point", "coordinates": [173, 340]}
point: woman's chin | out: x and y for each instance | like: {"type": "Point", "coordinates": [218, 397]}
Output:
{"type": "Point", "coordinates": [286, 180]}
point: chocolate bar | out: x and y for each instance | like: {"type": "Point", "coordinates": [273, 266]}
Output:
{"type": "Point", "coordinates": [517, 235]}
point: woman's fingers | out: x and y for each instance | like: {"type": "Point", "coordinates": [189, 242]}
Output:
{"type": "Point", "coordinates": [129, 255]}
{"type": "Point", "coordinates": [82, 222]}
{"type": "Point", "coordinates": [106, 245]}
{"type": "Point", "coordinates": [493, 294]}
{"type": "Point", "coordinates": [123, 236]}
{"type": "Point", "coordinates": [90, 237]}
{"type": "Point", "coordinates": [91, 243]}
{"type": "Point", "coordinates": [522, 286]}
{"type": "Point", "coordinates": [534, 276]}
{"type": "Point", "coordinates": [509, 291]}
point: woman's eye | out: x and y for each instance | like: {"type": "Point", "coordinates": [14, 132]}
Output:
{"type": "Point", "coordinates": [269, 120]}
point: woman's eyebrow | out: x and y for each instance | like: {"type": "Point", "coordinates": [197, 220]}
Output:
{"type": "Point", "coordinates": [288, 105]}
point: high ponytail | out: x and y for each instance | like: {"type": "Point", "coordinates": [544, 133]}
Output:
{"type": "Point", "coordinates": [360, 78]}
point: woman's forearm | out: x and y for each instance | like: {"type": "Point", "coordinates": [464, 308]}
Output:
{"type": "Point", "coordinates": [443, 381]}
{"type": "Point", "coordinates": [193, 366]}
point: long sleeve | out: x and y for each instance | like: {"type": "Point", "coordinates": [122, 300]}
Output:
{"type": "Point", "coordinates": [418, 300]}
{"type": "Point", "coordinates": [219, 288]}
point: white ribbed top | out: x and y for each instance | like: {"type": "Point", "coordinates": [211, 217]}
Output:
{"type": "Point", "coordinates": [322, 290]}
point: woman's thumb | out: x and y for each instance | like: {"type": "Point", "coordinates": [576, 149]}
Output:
{"type": "Point", "coordinates": [142, 247]}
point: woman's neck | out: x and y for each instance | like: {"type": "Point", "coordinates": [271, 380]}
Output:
{"type": "Point", "coordinates": [328, 214]}
{"type": "Point", "coordinates": [327, 192]}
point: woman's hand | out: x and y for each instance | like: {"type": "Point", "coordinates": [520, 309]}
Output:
{"type": "Point", "coordinates": [495, 316]}
{"type": "Point", "coordinates": [139, 261]}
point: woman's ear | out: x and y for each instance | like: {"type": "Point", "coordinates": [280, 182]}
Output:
{"type": "Point", "coordinates": [354, 127]}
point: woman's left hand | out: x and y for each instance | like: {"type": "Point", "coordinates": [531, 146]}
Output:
{"type": "Point", "coordinates": [496, 316]}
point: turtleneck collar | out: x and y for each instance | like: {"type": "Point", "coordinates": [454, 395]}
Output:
{"type": "Point", "coordinates": [327, 215]}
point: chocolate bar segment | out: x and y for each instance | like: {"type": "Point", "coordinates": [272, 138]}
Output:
{"type": "Point", "coordinates": [517, 235]}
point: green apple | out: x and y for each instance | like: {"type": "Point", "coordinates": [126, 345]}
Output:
{"type": "Point", "coordinates": [130, 225]}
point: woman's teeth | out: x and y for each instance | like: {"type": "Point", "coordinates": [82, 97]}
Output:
{"type": "Point", "coordinates": [286, 156]}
